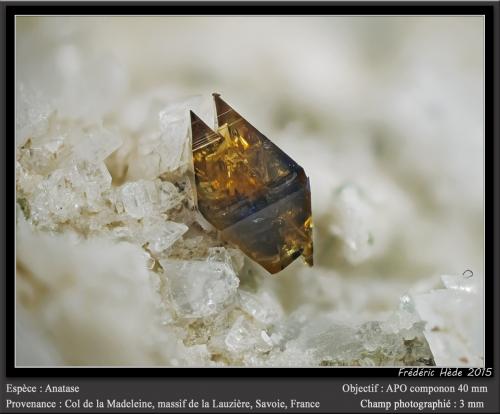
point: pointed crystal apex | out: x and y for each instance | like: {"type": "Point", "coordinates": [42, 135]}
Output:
{"type": "Point", "coordinates": [201, 133]}
{"type": "Point", "coordinates": [224, 113]}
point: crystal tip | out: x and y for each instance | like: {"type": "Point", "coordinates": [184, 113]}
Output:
{"type": "Point", "coordinates": [309, 260]}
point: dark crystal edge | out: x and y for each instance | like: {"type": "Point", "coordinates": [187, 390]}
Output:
{"type": "Point", "coordinates": [243, 208]}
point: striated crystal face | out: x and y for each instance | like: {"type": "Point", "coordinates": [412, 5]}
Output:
{"type": "Point", "coordinates": [251, 191]}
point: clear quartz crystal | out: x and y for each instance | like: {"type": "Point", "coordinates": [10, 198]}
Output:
{"type": "Point", "coordinates": [42, 155]}
{"type": "Point", "coordinates": [139, 198]}
{"type": "Point", "coordinates": [245, 336]}
{"type": "Point", "coordinates": [161, 234]}
{"type": "Point", "coordinates": [32, 113]}
{"type": "Point", "coordinates": [93, 180]}
{"type": "Point", "coordinates": [263, 307]}
{"type": "Point", "coordinates": [55, 200]}
{"type": "Point", "coordinates": [67, 191]}
{"type": "Point", "coordinates": [454, 320]}
{"type": "Point", "coordinates": [324, 339]}
{"type": "Point", "coordinates": [233, 257]}
{"type": "Point", "coordinates": [163, 149]}
{"type": "Point", "coordinates": [199, 288]}
{"type": "Point", "coordinates": [173, 139]}
{"type": "Point", "coordinates": [95, 144]}
{"type": "Point", "coordinates": [168, 194]}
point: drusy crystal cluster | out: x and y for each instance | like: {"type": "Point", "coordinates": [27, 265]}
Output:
{"type": "Point", "coordinates": [129, 233]}
{"type": "Point", "coordinates": [127, 255]}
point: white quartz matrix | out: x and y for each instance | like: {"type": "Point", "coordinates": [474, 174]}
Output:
{"type": "Point", "coordinates": [115, 267]}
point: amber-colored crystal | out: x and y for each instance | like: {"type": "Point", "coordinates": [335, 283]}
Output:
{"type": "Point", "coordinates": [251, 191]}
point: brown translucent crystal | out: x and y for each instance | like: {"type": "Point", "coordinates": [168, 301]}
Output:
{"type": "Point", "coordinates": [251, 191]}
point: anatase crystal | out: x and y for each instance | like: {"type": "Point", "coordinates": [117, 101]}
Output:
{"type": "Point", "coordinates": [254, 194]}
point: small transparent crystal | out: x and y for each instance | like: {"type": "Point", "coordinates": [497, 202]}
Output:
{"type": "Point", "coordinates": [161, 234]}
{"type": "Point", "coordinates": [264, 307]}
{"type": "Point", "coordinates": [139, 198]}
{"type": "Point", "coordinates": [244, 336]}
{"type": "Point", "coordinates": [95, 144]}
{"type": "Point", "coordinates": [199, 288]}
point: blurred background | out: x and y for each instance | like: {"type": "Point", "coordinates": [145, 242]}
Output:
{"type": "Point", "coordinates": [385, 114]}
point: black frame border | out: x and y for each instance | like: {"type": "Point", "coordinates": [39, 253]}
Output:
{"type": "Point", "coordinates": [490, 11]}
